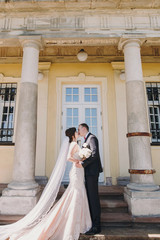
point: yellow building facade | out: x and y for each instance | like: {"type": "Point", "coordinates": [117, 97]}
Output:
{"type": "Point", "coordinates": [114, 120]}
{"type": "Point", "coordinates": [67, 62]}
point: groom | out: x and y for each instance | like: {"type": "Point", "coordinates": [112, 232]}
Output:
{"type": "Point", "coordinates": [92, 167]}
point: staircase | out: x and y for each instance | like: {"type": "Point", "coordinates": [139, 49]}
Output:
{"type": "Point", "coordinates": [114, 210]}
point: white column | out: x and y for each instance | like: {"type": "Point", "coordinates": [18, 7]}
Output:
{"type": "Point", "coordinates": [22, 193]}
{"type": "Point", "coordinates": [137, 120]}
{"type": "Point", "coordinates": [141, 190]}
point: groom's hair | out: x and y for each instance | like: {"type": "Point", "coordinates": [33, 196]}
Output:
{"type": "Point", "coordinates": [85, 125]}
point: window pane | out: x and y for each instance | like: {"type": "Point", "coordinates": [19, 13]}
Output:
{"type": "Point", "coordinates": [69, 111]}
{"type": "Point", "coordinates": [87, 112]}
{"type": "Point", "coordinates": [90, 95]}
{"type": "Point", "coordinates": [87, 98]}
{"type": "Point", "coordinates": [68, 91]}
{"type": "Point", "coordinates": [10, 117]}
{"type": "Point", "coordinates": [75, 98]}
{"type": "Point", "coordinates": [69, 122]}
{"type": "Point", "coordinates": [75, 112]}
{"type": "Point", "coordinates": [152, 118]}
{"type": "Point", "coordinates": [94, 121]}
{"type": "Point", "coordinates": [68, 98]}
{"type": "Point", "coordinates": [11, 109]}
{"type": "Point", "coordinates": [151, 110]}
{"type": "Point", "coordinates": [75, 91]}
{"type": "Point", "coordinates": [153, 94]}
{"type": "Point", "coordinates": [94, 98]}
{"type": "Point", "coordinates": [5, 109]}
{"type": "Point", "coordinates": [94, 91]}
{"type": "Point", "coordinates": [94, 131]}
{"type": "Point", "coordinates": [94, 112]}
{"type": "Point", "coordinates": [75, 121]}
{"type": "Point", "coordinates": [4, 118]}
{"type": "Point", "coordinates": [87, 91]}
{"type": "Point", "coordinates": [88, 121]}
{"type": "Point", "coordinates": [72, 94]}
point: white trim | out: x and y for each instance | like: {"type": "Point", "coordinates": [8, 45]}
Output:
{"type": "Point", "coordinates": [83, 79]}
{"type": "Point", "coordinates": [152, 79]}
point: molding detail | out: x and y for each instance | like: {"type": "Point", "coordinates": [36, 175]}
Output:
{"type": "Point", "coordinates": [152, 78]}
{"type": "Point", "coordinates": [132, 39]}
{"type": "Point", "coordinates": [79, 23]}
{"type": "Point", "coordinates": [155, 22]}
{"type": "Point", "coordinates": [1, 77]}
{"type": "Point", "coordinates": [31, 24]}
{"type": "Point", "coordinates": [54, 24]}
{"type": "Point", "coordinates": [90, 24]}
{"type": "Point", "coordinates": [142, 171]}
{"type": "Point", "coordinates": [42, 66]}
{"type": "Point", "coordinates": [7, 24]}
{"type": "Point", "coordinates": [138, 134]}
{"type": "Point", "coordinates": [105, 23]}
{"type": "Point", "coordinates": [129, 25]}
{"type": "Point", "coordinates": [31, 41]}
{"type": "Point", "coordinates": [118, 65]}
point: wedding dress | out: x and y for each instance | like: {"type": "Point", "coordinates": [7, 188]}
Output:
{"type": "Point", "coordinates": [68, 218]}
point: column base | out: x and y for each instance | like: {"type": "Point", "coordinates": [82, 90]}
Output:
{"type": "Point", "coordinates": [23, 185]}
{"type": "Point", "coordinates": [18, 202]}
{"type": "Point", "coordinates": [143, 187]}
{"type": "Point", "coordinates": [143, 203]}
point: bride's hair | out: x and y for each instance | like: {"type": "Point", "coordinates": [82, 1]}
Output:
{"type": "Point", "coordinates": [70, 132]}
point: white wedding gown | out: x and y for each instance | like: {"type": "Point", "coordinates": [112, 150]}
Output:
{"type": "Point", "coordinates": [69, 217]}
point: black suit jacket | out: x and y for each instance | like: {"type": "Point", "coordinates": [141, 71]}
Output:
{"type": "Point", "coordinates": [92, 165]}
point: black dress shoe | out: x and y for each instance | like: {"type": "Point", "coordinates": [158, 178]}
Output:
{"type": "Point", "coordinates": [93, 230]}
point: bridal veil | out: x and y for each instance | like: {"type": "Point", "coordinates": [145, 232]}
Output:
{"type": "Point", "coordinates": [46, 200]}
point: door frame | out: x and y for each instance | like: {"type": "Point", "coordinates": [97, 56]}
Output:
{"type": "Point", "coordinates": [85, 80]}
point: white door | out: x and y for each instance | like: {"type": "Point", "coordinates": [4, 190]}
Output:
{"type": "Point", "coordinates": [82, 103]}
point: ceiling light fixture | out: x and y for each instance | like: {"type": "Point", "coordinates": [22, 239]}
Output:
{"type": "Point", "coordinates": [82, 55]}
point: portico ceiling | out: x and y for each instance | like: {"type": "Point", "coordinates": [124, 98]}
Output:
{"type": "Point", "coordinates": [68, 54]}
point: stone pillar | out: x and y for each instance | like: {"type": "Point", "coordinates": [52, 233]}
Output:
{"type": "Point", "coordinates": [141, 194]}
{"type": "Point", "coordinates": [23, 192]}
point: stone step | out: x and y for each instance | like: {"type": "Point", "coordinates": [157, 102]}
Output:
{"type": "Point", "coordinates": [8, 219]}
{"type": "Point", "coordinates": [116, 219]}
{"type": "Point", "coordinates": [111, 192]}
{"type": "Point", "coordinates": [107, 220]}
{"type": "Point", "coordinates": [105, 192]}
{"type": "Point", "coordinates": [125, 233]}
{"type": "Point", "coordinates": [108, 205]}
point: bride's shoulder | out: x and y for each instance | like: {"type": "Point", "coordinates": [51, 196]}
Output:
{"type": "Point", "coordinates": [74, 146]}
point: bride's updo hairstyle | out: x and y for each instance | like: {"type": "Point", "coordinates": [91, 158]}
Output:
{"type": "Point", "coordinates": [70, 132]}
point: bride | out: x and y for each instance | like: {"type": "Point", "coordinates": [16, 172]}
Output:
{"type": "Point", "coordinates": [66, 219]}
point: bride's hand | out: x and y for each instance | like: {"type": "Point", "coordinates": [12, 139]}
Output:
{"type": "Point", "coordinates": [71, 159]}
{"type": "Point", "coordinates": [79, 165]}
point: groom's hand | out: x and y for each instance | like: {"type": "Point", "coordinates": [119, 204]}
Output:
{"type": "Point", "coordinates": [79, 165]}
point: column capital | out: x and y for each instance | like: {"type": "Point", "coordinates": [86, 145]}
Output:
{"type": "Point", "coordinates": [134, 42]}
{"type": "Point", "coordinates": [118, 65]}
{"type": "Point", "coordinates": [34, 42]}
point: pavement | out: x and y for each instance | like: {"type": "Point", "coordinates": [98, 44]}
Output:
{"type": "Point", "coordinates": [126, 233]}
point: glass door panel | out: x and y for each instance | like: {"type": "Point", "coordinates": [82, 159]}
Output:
{"type": "Point", "coordinates": [81, 103]}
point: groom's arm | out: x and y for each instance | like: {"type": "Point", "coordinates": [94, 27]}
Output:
{"type": "Point", "coordinates": [94, 148]}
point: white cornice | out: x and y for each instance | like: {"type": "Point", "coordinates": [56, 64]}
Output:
{"type": "Point", "coordinates": [89, 25]}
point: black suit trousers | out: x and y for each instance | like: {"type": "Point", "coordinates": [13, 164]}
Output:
{"type": "Point", "coordinates": [91, 183]}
